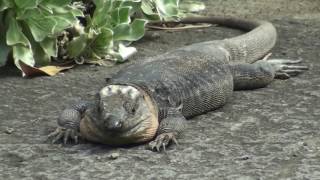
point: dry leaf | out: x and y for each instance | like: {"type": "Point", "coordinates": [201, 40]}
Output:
{"type": "Point", "coordinates": [29, 71]}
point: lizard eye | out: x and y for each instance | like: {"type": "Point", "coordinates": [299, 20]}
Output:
{"type": "Point", "coordinates": [130, 107]}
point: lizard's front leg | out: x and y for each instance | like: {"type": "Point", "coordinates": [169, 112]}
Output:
{"type": "Point", "coordinates": [69, 123]}
{"type": "Point", "coordinates": [170, 128]}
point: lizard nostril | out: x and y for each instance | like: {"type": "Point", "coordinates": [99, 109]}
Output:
{"type": "Point", "coordinates": [117, 124]}
{"type": "Point", "coordinates": [114, 125]}
{"type": "Point", "coordinates": [111, 122]}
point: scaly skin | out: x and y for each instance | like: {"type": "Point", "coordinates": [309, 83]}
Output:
{"type": "Point", "coordinates": [151, 100]}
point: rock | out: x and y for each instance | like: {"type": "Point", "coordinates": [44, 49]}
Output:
{"type": "Point", "coordinates": [9, 130]}
{"type": "Point", "coordinates": [114, 156]}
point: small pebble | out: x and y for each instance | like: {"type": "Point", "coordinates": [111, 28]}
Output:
{"type": "Point", "coordinates": [244, 158]}
{"type": "Point", "coordinates": [114, 156]}
{"type": "Point", "coordinates": [294, 155]}
{"type": "Point", "coordinates": [9, 130]}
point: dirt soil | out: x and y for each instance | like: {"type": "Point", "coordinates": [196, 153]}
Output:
{"type": "Point", "coordinates": [269, 133]}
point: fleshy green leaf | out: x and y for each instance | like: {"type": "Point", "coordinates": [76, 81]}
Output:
{"type": "Point", "coordinates": [102, 42]}
{"type": "Point", "coordinates": [147, 10]}
{"type": "Point", "coordinates": [77, 45]}
{"type": "Point", "coordinates": [147, 7]}
{"type": "Point", "coordinates": [75, 12]}
{"type": "Point", "coordinates": [134, 4]}
{"type": "Point", "coordinates": [152, 17]}
{"type": "Point", "coordinates": [5, 4]}
{"type": "Point", "coordinates": [61, 23]}
{"type": "Point", "coordinates": [121, 15]}
{"type": "Point", "coordinates": [49, 45]}
{"type": "Point", "coordinates": [15, 34]}
{"type": "Point", "coordinates": [23, 54]}
{"type": "Point", "coordinates": [192, 6]}
{"type": "Point", "coordinates": [167, 7]}
{"type": "Point", "coordinates": [55, 3]}
{"type": "Point", "coordinates": [40, 26]}
{"type": "Point", "coordinates": [101, 15]}
{"type": "Point", "coordinates": [34, 25]}
{"type": "Point", "coordinates": [130, 32]}
{"type": "Point", "coordinates": [44, 9]}
{"type": "Point", "coordinates": [27, 4]}
{"type": "Point", "coordinates": [40, 56]}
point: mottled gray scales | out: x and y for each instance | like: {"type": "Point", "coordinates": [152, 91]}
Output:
{"type": "Point", "coordinates": [164, 90]}
{"type": "Point", "coordinates": [249, 48]}
{"type": "Point", "coordinates": [201, 82]}
{"type": "Point", "coordinates": [252, 76]}
{"type": "Point", "coordinates": [260, 38]}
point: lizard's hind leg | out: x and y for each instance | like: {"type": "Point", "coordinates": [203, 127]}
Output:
{"type": "Point", "coordinates": [261, 73]}
{"type": "Point", "coordinates": [285, 68]}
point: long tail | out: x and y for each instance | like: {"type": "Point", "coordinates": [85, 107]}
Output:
{"type": "Point", "coordinates": [260, 38]}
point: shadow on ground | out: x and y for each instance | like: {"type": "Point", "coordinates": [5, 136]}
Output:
{"type": "Point", "coordinates": [270, 133]}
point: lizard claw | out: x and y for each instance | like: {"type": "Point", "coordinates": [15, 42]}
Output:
{"type": "Point", "coordinates": [287, 68]}
{"type": "Point", "coordinates": [162, 140]}
{"type": "Point", "coordinates": [64, 134]}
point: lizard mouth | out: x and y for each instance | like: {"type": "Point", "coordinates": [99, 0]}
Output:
{"type": "Point", "coordinates": [142, 131]}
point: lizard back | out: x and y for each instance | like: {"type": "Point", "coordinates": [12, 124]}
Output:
{"type": "Point", "coordinates": [198, 81]}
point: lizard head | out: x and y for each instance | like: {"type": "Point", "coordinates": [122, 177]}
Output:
{"type": "Point", "coordinates": [126, 115]}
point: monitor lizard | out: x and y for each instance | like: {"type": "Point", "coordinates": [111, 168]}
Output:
{"type": "Point", "coordinates": [150, 101]}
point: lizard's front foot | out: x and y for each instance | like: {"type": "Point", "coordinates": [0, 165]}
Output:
{"type": "Point", "coordinates": [285, 68]}
{"type": "Point", "coordinates": [68, 126]}
{"type": "Point", "coordinates": [163, 140]}
{"type": "Point", "coordinates": [65, 134]}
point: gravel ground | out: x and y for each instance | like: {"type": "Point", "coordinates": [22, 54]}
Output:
{"type": "Point", "coordinates": [269, 133]}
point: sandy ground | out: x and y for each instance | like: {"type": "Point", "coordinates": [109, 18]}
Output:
{"type": "Point", "coordinates": [269, 133]}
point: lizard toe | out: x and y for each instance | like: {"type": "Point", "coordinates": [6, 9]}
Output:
{"type": "Point", "coordinates": [57, 137]}
{"type": "Point", "coordinates": [162, 141]}
{"type": "Point", "coordinates": [63, 134]}
{"type": "Point", "coordinates": [286, 68]}
{"type": "Point", "coordinates": [53, 134]}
